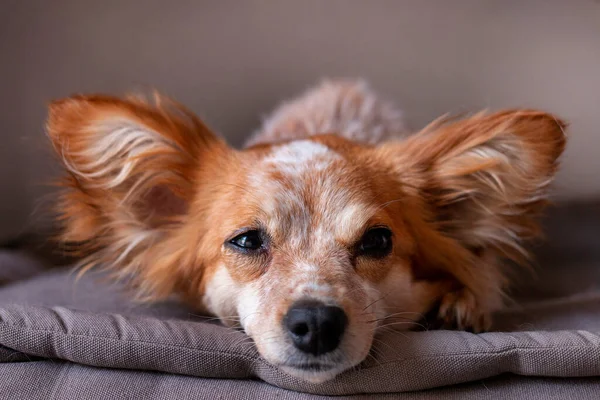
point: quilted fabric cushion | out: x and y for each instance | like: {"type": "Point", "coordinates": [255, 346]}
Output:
{"type": "Point", "coordinates": [90, 322]}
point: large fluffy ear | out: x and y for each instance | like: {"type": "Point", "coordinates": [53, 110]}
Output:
{"type": "Point", "coordinates": [474, 188]}
{"type": "Point", "coordinates": [132, 171]}
{"type": "Point", "coordinates": [486, 177]}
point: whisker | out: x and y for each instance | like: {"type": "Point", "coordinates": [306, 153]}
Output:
{"type": "Point", "coordinates": [393, 331]}
{"type": "Point", "coordinates": [254, 313]}
{"type": "Point", "coordinates": [242, 341]}
{"type": "Point", "coordinates": [234, 331]}
{"type": "Point", "coordinates": [389, 317]}
{"type": "Point", "coordinates": [372, 303]}
{"type": "Point", "coordinates": [376, 351]}
{"type": "Point", "coordinates": [377, 342]}
{"type": "Point", "coordinates": [373, 357]}
{"type": "Point", "coordinates": [205, 319]}
{"type": "Point", "coordinates": [420, 315]}
{"type": "Point", "coordinates": [412, 323]}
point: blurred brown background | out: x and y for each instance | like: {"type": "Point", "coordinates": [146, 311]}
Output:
{"type": "Point", "coordinates": [232, 61]}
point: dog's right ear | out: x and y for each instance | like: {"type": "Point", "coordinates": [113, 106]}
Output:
{"type": "Point", "coordinates": [133, 168]}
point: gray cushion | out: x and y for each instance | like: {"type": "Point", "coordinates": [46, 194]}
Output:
{"type": "Point", "coordinates": [42, 380]}
{"type": "Point", "coordinates": [91, 322]}
{"type": "Point", "coordinates": [18, 265]}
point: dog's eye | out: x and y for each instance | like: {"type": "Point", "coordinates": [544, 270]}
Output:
{"type": "Point", "coordinates": [249, 240]}
{"type": "Point", "coordinates": [376, 242]}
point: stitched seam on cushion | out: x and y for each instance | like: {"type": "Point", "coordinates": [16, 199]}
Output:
{"type": "Point", "coordinates": [514, 349]}
{"type": "Point", "coordinates": [54, 332]}
{"type": "Point", "coordinates": [145, 342]}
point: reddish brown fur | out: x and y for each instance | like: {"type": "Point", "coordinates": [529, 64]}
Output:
{"type": "Point", "coordinates": [94, 217]}
{"type": "Point", "coordinates": [458, 197]}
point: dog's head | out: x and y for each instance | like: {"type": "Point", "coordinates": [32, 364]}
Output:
{"type": "Point", "coordinates": [308, 245]}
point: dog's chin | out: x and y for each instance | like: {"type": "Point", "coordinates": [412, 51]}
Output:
{"type": "Point", "coordinates": [314, 372]}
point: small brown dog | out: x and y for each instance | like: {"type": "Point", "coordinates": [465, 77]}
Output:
{"type": "Point", "coordinates": [331, 224]}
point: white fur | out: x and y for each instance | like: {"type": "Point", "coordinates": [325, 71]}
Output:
{"type": "Point", "coordinates": [300, 156]}
{"type": "Point", "coordinates": [217, 297]}
{"type": "Point", "coordinates": [314, 238]}
{"type": "Point", "coordinates": [351, 218]}
{"type": "Point", "coordinates": [298, 152]}
{"type": "Point", "coordinates": [249, 306]}
{"type": "Point", "coordinates": [113, 156]}
{"type": "Point", "coordinates": [348, 108]}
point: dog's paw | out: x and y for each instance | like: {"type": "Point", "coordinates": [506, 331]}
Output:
{"type": "Point", "coordinates": [461, 310]}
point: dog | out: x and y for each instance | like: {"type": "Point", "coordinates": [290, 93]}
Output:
{"type": "Point", "coordinates": [333, 221]}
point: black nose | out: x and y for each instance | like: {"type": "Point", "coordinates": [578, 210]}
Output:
{"type": "Point", "coordinates": [314, 327]}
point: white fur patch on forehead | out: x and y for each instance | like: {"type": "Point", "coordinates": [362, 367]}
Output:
{"type": "Point", "coordinates": [343, 221]}
{"type": "Point", "coordinates": [351, 219]}
{"type": "Point", "coordinates": [301, 156]}
{"type": "Point", "coordinates": [353, 215]}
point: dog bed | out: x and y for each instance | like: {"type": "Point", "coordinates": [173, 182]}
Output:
{"type": "Point", "coordinates": [54, 317]}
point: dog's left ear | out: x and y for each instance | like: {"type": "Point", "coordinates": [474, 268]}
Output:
{"type": "Point", "coordinates": [484, 178]}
